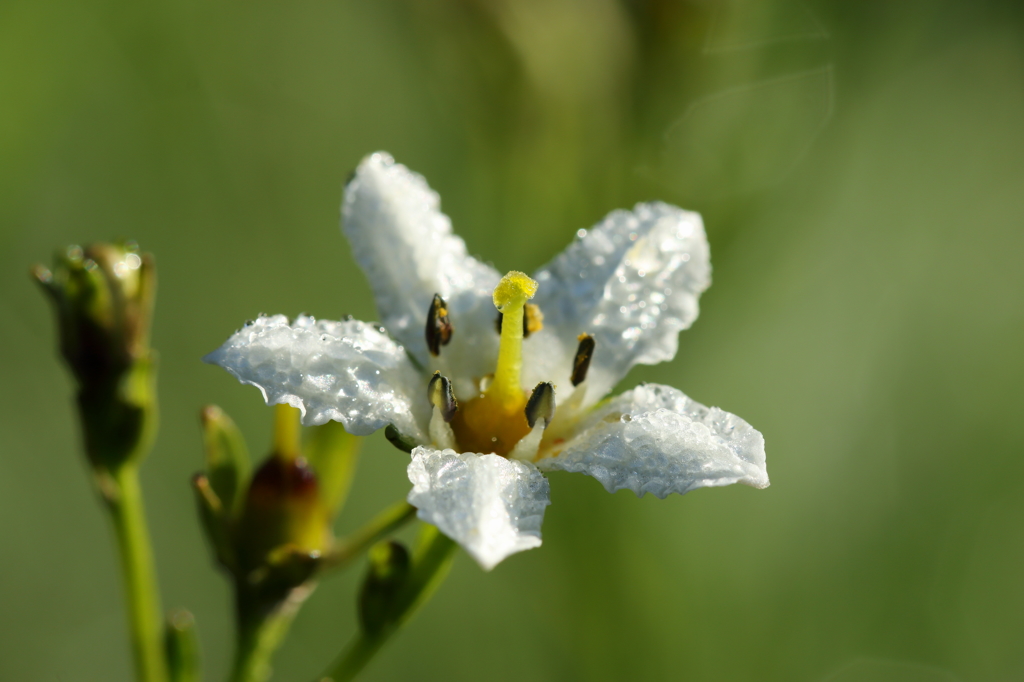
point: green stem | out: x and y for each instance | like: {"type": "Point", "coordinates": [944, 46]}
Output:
{"type": "Point", "coordinates": [359, 652]}
{"type": "Point", "coordinates": [430, 567]}
{"type": "Point", "coordinates": [263, 622]}
{"type": "Point", "coordinates": [260, 634]}
{"type": "Point", "coordinates": [141, 594]}
{"type": "Point", "coordinates": [382, 525]}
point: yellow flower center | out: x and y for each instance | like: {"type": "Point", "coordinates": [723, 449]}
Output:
{"type": "Point", "coordinates": [495, 420]}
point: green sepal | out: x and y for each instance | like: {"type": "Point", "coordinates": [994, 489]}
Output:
{"type": "Point", "coordinates": [286, 568]}
{"type": "Point", "coordinates": [333, 453]}
{"type": "Point", "coordinates": [228, 466]}
{"type": "Point", "coordinates": [181, 647]}
{"type": "Point", "coordinates": [119, 416]}
{"type": "Point", "coordinates": [215, 521]}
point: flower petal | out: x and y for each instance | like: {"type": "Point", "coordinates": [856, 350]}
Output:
{"type": "Point", "coordinates": [654, 439]}
{"type": "Point", "coordinates": [633, 282]}
{"type": "Point", "coordinates": [490, 505]}
{"type": "Point", "coordinates": [406, 248]}
{"type": "Point", "coordinates": [349, 372]}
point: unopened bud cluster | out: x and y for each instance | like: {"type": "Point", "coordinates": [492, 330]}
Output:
{"type": "Point", "coordinates": [103, 296]}
{"type": "Point", "coordinates": [271, 528]}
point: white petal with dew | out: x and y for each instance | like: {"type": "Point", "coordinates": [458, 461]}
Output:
{"type": "Point", "coordinates": [406, 248]}
{"type": "Point", "coordinates": [633, 282]}
{"type": "Point", "coordinates": [656, 440]}
{"type": "Point", "coordinates": [350, 372]}
{"type": "Point", "coordinates": [490, 505]}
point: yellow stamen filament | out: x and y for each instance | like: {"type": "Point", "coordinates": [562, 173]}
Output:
{"type": "Point", "coordinates": [510, 296]}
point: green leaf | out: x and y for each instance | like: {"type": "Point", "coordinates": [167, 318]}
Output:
{"type": "Point", "coordinates": [227, 458]}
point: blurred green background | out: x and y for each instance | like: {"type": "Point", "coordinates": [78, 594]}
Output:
{"type": "Point", "coordinates": [860, 169]}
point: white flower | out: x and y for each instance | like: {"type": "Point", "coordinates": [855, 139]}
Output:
{"type": "Point", "coordinates": [489, 411]}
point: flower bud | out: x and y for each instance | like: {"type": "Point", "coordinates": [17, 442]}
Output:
{"type": "Point", "coordinates": [104, 301]}
{"type": "Point", "coordinates": [271, 529]}
{"type": "Point", "coordinates": [181, 647]}
{"type": "Point", "coordinates": [103, 297]}
{"type": "Point", "coordinates": [386, 575]}
{"type": "Point", "coordinates": [282, 508]}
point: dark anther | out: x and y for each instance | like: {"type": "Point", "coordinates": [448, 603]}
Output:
{"type": "Point", "coordinates": [581, 363]}
{"type": "Point", "coordinates": [439, 390]}
{"type": "Point", "coordinates": [541, 404]}
{"type": "Point", "coordinates": [439, 327]}
{"type": "Point", "coordinates": [533, 320]}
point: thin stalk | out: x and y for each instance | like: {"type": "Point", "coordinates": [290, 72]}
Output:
{"type": "Point", "coordinates": [356, 656]}
{"type": "Point", "coordinates": [378, 528]}
{"type": "Point", "coordinates": [141, 595]}
{"type": "Point", "coordinates": [263, 624]}
{"type": "Point", "coordinates": [259, 636]}
{"type": "Point", "coordinates": [431, 564]}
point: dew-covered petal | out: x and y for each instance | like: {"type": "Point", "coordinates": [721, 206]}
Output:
{"type": "Point", "coordinates": [656, 440]}
{"type": "Point", "coordinates": [633, 282]}
{"type": "Point", "coordinates": [405, 245]}
{"type": "Point", "coordinates": [350, 372]}
{"type": "Point", "coordinates": [490, 505]}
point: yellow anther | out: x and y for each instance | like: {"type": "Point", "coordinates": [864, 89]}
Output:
{"type": "Point", "coordinates": [513, 291]}
{"type": "Point", "coordinates": [510, 297]}
{"type": "Point", "coordinates": [533, 319]}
